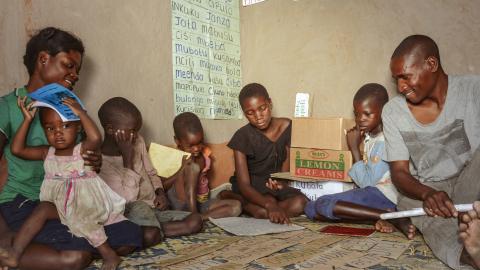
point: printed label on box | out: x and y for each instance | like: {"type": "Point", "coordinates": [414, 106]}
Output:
{"type": "Point", "coordinates": [320, 168]}
{"type": "Point", "coordinates": [320, 164]}
{"type": "Point", "coordinates": [325, 174]}
{"type": "Point", "coordinates": [314, 190]}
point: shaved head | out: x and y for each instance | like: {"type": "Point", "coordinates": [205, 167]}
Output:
{"type": "Point", "coordinates": [416, 68]}
{"type": "Point", "coordinates": [252, 90]}
{"type": "Point", "coordinates": [419, 45]}
{"type": "Point", "coordinates": [186, 123]}
{"type": "Point", "coordinates": [116, 110]}
{"type": "Point", "coordinates": [374, 92]}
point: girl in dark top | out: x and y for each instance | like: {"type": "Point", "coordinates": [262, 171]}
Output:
{"type": "Point", "coordinates": [260, 148]}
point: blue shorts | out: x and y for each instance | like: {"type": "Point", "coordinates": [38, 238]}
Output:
{"type": "Point", "coordinates": [369, 196]}
{"type": "Point", "coordinates": [57, 235]}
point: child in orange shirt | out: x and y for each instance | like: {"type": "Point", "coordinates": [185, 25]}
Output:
{"type": "Point", "coordinates": [189, 188]}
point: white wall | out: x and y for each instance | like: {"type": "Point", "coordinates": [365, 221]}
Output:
{"type": "Point", "coordinates": [327, 47]}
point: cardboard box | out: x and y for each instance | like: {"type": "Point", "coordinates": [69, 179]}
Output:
{"type": "Point", "coordinates": [314, 190]}
{"type": "Point", "coordinates": [321, 133]}
{"type": "Point", "coordinates": [320, 164]}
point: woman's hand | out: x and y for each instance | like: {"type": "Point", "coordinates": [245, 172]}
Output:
{"type": "Point", "coordinates": [93, 159]}
{"type": "Point", "coordinates": [27, 110]}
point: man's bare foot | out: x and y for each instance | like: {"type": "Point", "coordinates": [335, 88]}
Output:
{"type": "Point", "coordinates": [384, 226]}
{"type": "Point", "coordinates": [9, 257]}
{"type": "Point", "coordinates": [469, 233]}
{"type": "Point", "coordinates": [405, 226]}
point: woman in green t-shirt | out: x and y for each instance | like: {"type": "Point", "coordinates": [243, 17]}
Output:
{"type": "Point", "coordinates": [52, 56]}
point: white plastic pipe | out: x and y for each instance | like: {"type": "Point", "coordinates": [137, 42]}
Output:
{"type": "Point", "coordinates": [420, 212]}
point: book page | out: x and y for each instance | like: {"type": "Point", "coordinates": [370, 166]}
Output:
{"type": "Point", "coordinates": [252, 226]}
{"type": "Point", "coordinates": [52, 96]}
{"type": "Point", "coordinates": [166, 160]}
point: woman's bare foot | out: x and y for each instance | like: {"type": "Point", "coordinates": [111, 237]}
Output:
{"type": "Point", "coordinates": [469, 229]}
{"type": "Point", "coordinates": [9, 257]}
{"type": "Point", "coordinates": [384, 226]}
{"type": "Point", "coordinates": [405, 226]}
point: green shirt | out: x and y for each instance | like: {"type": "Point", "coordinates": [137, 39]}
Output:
{"type": "Point", "coordinates": [24, 176]}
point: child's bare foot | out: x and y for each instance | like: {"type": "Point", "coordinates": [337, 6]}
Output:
{"type": "Point", "coordinates": [6, 240]}
{"type": "Point", "coordinates": [110, 258]}
{"type": "Point", "coordinates": [405, 226]}
{"type": "Point", "coordinates": [194, 222]}
{"type": "Point", "coordinates": [9, 257]}
{"type": "Point", "coordinates": [255, 211]}
{"type": "Point", "coordinates": [384, 226]}
{"type": "Point", "coordinates": [469, 229]}
{"type": "Point", "coordinates": [111, 263]}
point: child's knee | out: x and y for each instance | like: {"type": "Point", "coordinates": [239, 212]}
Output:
{"type": "Point", "coordinates": [304, 199]}
{"type": "Point", "coordinates": [46, 206]}
{"type": "Point", "coordinates": [257, 212]}
{"type": "Point", "coordinates": [296, 205]}
{"type": "Point", "coordinates": [47, 209]}
{"type": "Point", "coordinates": [235, 208]}
{"type": "Point", "coordinates": [191, 171]}
{"type": "Point", "coordinates": [310, 210]}
{"type": "Point", "coordinates": [194, 223]}
{"type": "Point", "coordinates": [300, 201]}
{"type": "Point", "coordinates": [75, 259]}
{"type": "Point", "coordinates": [325, 201]}
{"type": "Point", "coordinates": [324, 206]}
{"type": "Point", "coordinates": [151, 236]}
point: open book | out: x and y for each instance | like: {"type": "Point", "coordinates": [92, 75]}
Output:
{"type": "Point", "coordinates": [51, 96]}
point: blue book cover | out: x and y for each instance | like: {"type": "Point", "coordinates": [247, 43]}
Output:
{"type": "Point", "coordinates": [51, 95]}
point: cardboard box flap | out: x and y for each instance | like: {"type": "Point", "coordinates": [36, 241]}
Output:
{"type": "Point", "coordinates": [321, 133]}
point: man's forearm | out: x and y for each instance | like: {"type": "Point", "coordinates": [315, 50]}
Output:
{"type": "Point", "coordinates": [409, 186]}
